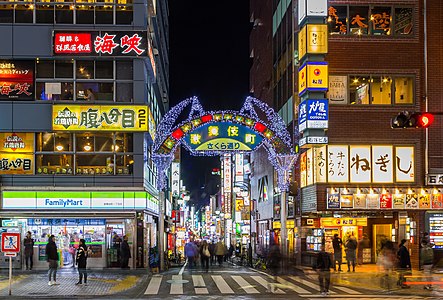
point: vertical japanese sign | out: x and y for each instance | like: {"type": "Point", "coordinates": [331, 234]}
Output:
{"type": "Point", "coordinates": [333, 200]}
{"type": "Point", "coordinates": [360, 164]}
{"type": "Point", "coordinates": [16, 153]}
{"type": "Point", "coordinates": [303, 158]}
{"type": "Point", "coordinates": [317, 113]}
{"type": "Point", "coordinates": [98, 43]}
{"type": "Point", "coordinates": [338, 164]}
{"type": "Point", "coordinates": [385, 201]}
{"type": "Point", "coordinates": [227, 183]}
{"type": "Point", "coordinates": [313, 39]}
{"type": "Point", "coordinates": [99, 118]}
{"type": "Point", "coordinates": [404, 158]}
{"type": "Point", "coordinates": [309, 167]}
{"type": "Point", "coordinates": [239, 167]}
{"type": "Point", "coordinates": [320, 164]}
{"type": "Point", "coordinates": [359, 200]}
{"type": "Point", "coordinates": [175, 184]}
{"type": "Point", "coordinates": [17, 79]}
{"type": "Point", "coordinates": [302, 116]}
{"type": "Point", "coordinates": [382, 164]}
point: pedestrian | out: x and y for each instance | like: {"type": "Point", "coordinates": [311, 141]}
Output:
{"type": "Point", "coordinates": [125, 253]}
{"type": "Point", "coordinates": [220, 252]}
{"type": "Point", "coordinates": [52, 259]}
{"type": "Point", "coordinates": [82, 256]}
{"type": "Point", "coordinates": [323, 268]}
{"type": "Point", "coordinates": [362, 244]}
{"type": "Point", "coordinates": [404, 263]}
{"type": "Point", "coordinates": [427, 261]}
{"type": "Point", "coordinates": [205, 255]}
{"type": "Point", "coordinates": [337, 244]}
{"type": "Point", "coordinates": [273, 263]}
{"type": "Point", "coordinates": [212, 252]}
{"type": "Point", "coordinates": [386, 262]}
{"type": "Point", "coordinates": [231, 251]}
{"type": "Point", "coordinates": [190, 253]}
{"type": "Point", "coordinates": [28, 242]}
{"type": "Point", "coordinates": [351, 247]}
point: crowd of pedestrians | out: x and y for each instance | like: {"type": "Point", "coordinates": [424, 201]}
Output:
{"type": "Point", "coordinates": [212, 253]}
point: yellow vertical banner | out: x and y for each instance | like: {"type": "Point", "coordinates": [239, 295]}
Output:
{"type": "Point", "coordinates": [302, 43]}
{"type": "Point", "coordinates": [317, 38]}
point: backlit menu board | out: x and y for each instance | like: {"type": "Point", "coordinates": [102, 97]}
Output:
{"type": "Point", "coordinates": [436, 230]}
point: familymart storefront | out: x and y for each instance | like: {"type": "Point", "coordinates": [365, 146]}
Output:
{"type": "Point", "coordinates": [102, 218]}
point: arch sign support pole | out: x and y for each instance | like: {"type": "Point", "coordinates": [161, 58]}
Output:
{"type": "Point", "coordinates": [214, 133]}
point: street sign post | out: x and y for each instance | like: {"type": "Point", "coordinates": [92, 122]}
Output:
{"type": "Point", "coordinates": [10, 247]}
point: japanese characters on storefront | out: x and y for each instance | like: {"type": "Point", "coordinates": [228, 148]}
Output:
{"type": "Point", "coordinates": [16, 79]}
{"type": "Point", "coordinates": [357, 164]}
{"type": "Point", "coordinates": [16, 153]}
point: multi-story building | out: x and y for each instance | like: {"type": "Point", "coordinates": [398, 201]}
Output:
{"type": "Point", "coordinates": [83, 85]}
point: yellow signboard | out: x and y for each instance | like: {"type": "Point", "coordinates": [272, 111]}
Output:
{"type": "Point", "coordinates": [99, 118]}
{"type": "Point", "coordinates": [225, 144]}
{"type": "Point", "coordinates": [302, 43]}
{"type": "Point", "coordinates": [317, 73]}
{"type": "Point", "coordinates": [302, 79]}
{"type": "Point", "coordinates": [16, 163]}
{"type": "Point", "coordinates": [313, 39]}
{"type": "Point", "coordinates": [17, 142]}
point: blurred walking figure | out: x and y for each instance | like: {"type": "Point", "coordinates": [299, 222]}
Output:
{"type": "Point", "coordinates": [404, 263]}
{"type": "Point", "coordinates": [274, 260]}
{"type": "Point", "coordinates": [386, 262]}
{"type": "Point", "coordinates": [427, 261]}
{"type": "Point", "coordinates": [212, 252]}
{"type": "Point", "coordinates": [337, 244]}
{"type": "Point", "coordinates": [190, 253]}
{"type": "Point", "coordinates": [82, 256]}
{"type": "Point", "coordinates": [323, 267]}
{"type": "Point", "coordinates": [29, 250]}
{"type": "Point", "coordinates": [220, 252]}
{"type": "Point", "coordinates": [52, 258]}
{"type": "Point", "coordinates": [362, 244]}
{"type": "Point", "coordinates": [204, 255]}
{"type": "Point", "coordinates": [351, 247]}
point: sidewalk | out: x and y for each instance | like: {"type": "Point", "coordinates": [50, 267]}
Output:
{"type": "Point", "coordinates": [101, 283]}
{"type": "Point", "coordinates": [368, 277]}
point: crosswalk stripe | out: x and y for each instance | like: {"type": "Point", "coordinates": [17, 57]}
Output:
{"type": "Point", "coordinates": [346, 290]}
{"type": "Point", "coordinates": [154, 285]}
{"type": "Point", "coordinates": [222, 285]}
{"type": "Point", "coordinates": [245, 285]}
{"type": "Point", "coordinates": [292, 286]}
{"type": "Point", "coordinates": [265, 284]}
{"type": "Point", "coordinates": [176, 287]}
{"type": "Point", "coordinates": [199, 284]}
{"type": "Point", "coordinates": [307, 283]}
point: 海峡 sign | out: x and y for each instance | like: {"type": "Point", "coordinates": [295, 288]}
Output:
{"type": "Point", "coordinates": [98, 43]}
{"type": "Point", "coordinates": [17, 79]}
{"type": "Point", "coordinates": [99, 118]}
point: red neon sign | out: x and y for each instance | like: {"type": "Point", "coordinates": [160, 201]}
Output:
{"type": "Point", "coordinates": [72, 43]}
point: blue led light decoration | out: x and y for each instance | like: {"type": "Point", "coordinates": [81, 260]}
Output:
{"type": "Point", "coordinates": [270, 133]}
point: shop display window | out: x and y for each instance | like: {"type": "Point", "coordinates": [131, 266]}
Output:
{"type": "Point", "coordinates": [124, 164]}
{"type": "Point", "coordinates": [314, 239]}
{"type": "Point", "coordinates": [94, 164]}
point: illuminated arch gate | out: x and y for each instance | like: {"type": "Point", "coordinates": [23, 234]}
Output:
{"type": "Point", "coordinates": [209, 133]}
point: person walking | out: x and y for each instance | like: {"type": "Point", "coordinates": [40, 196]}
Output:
{"type": "Point", "coordinates": [28, 242]}
{"type": "Point", "coordinates": [337, 244]}
{"type": "Point", "coordinates": [427, 261]}
{"type": "Point", "coordinates": [351, 247]}
{"type": "Point", "coordinates": [220, 252]}
{"type": "Point", "coordinates": [204, 255]}
{"type": "Point", "coordinates": [125, 253]}
{"type": "Point", "coordinates": [274, 261]}
{"type": "Point", "coordinates": [323, 268]}
{"type": "Point", "coordinates": [212, 252]}
{"type": "Point", "coordinates": [362, 244]}
{"type": "Point", "coordinates": [82, 256]}
{"type": "Point", "coordinates": [52, 258]}
{"type": "Point", "coordinates": [190, 253]}
{"type": "Point", "coordinates": [404, 263]}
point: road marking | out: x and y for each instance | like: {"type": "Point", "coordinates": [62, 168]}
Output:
{"type": "Point", "coordinates": [366, 297]}
{"type": "Point", "coordinates": [291, 286]}
{"type": "Point", "coordinates": [249, 289]}
{"type": "Point", "coordinates": [346, 290]}
{"type": "Point", "coordinates": [154, 285]}
{"type": "Point", "coordinates": [199, 284]}
{"type": "Point", "coordinates": [176, 288]}
{"type": "Point", "coordinates": [183, 268]}
{"type": "Point", "coordinates": [222, 285]}
{"type": "Point", "coordinates": [266, 284]}
{"type": "Point", "coordinates": [309, 283]}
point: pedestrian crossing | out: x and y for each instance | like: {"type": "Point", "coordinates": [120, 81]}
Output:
{"type": "Point", "coordinates": [232, 284]}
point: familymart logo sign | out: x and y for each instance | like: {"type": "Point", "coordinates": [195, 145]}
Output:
{"type": "Point", "coordinates": [63, 203]}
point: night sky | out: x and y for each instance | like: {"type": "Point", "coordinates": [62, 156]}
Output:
{"type": "Point", "coordinates": [209, 58]}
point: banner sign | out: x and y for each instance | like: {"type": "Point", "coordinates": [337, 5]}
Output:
{"type": "Point", "coordinates": [17, 79]}
{"type": "Point", "coordinates": [317, 113]}
{"type": "Point", "coordinates": [313, 76]}
{"type": "Point", "coordinates": [13, 142]}
{"type": "Point", "coordinates": [16, 163]}
{"type": "Point", "coordinates": [313, 39]}
{"type": "Point", "coordinates": [99, 118]}
{"type": "Point", "coordinates": [100, 43]}
{"type": "Point", "coordinates": [175, 184]}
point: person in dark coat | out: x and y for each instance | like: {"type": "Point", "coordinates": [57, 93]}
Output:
{"type": "Point", "coordinates": [212, 252]}
{"type": "Point", "coordinates": [273, 263]}
{"type": "Point", "coordinates": [82, 256]}
{"type": "Point", "coordinates": [28, 242]}
{"type": "Point", "coordinates": [323, 267]}
{"type": "Point", "coordinates": [337, 244]}
{"type": "Point", "coordinates": [52, 258]}
{"type": "Point", "coordinates": [404, 262]}
{"type": "Point", "coordinates": [125, 252]}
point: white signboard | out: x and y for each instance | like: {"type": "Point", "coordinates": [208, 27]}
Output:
{"type": "Point", "coordinates": [53, 88]}
{"type": "Point", "coordinates": [175, 184]}
{"type": "Point", "coordinates": [313, 140]}
{"type": "Point", "coordinates": [360, 164]}
{"type": "Point", "coordinates": [312, 8]}
{"type": "Point", "coordinates": [64, 202]}
{"type": "Point", "coordinates": [320, 164]}
{"type": "Point", "coordinates": [382, 164]}
{"type": "Point", "coordinates": [338, 164]}
{"type": "Point", "coordinates": [404, 158]}
{"type": "Point", "coordinates": [301, 10]}
{"type": "Point", "coordinates": [338, 90]}
{"type": "Point", "coordinates": [227, 174]}
{"type": "Point", "coordinates": [309, 167]}
{"type": "Point", "coordinates": [239, 167]}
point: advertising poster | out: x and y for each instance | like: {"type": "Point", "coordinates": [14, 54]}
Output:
{"type": "Point", "coordinates": [398, 201]}
{"type": "Point", "coordinates": [437, 201]}
{"type": "Point", "coordinates": [17, 79]}
{"type": "Point", "coordinates": [373, 201]}
{"type": "Point", "coordinates": [16, 163]}
{"type": "Point", "coordinates": [404, 164]}
{"type": "Point", "coordinates": [411, 201]}
{"type": "Point", "coordinates": [346, 201]}
{"type": "Point", "coordinates": [424, 201]}
{"type": "Point", "coordinates": [333, 201]}
{"type": "Point", "coordinates": [385, 201]}
{"type": "Point", "coordinates": [12, 142]}
{"type": "Point", "coordinates": [338, 90]}
{"type": "Point", "coordinates": [359, 200]}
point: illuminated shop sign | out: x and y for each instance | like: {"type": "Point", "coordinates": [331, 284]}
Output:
{"type": "Point", "coordinates": [175, 184]}
{"type": "Point", "coordinates": [78, 200]}
{"type": "Point", "coordinates": [17, 79]}
{"type": "Point", "coordinates": [99, 118]}
{"type": "Point", "coordinates": [380, 198]}
{"type": "Point", "coordinates": [17, 142]}
{"type": "Point", "coordinates": [358, 164]}
{"type": "Point", "coordinates": [313, 113]}
{"type": "Point", "coordinates": [16, 153]}
{"type": "Point", "coordinates": [101, 43]}
{"type": "Point", "coordinates": [313, 76]}
{"type": "Point", "coordinates": [313, 39]}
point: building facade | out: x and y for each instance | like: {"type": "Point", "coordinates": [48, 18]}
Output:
{"type": "Point", "coordinates": [83, 86]}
